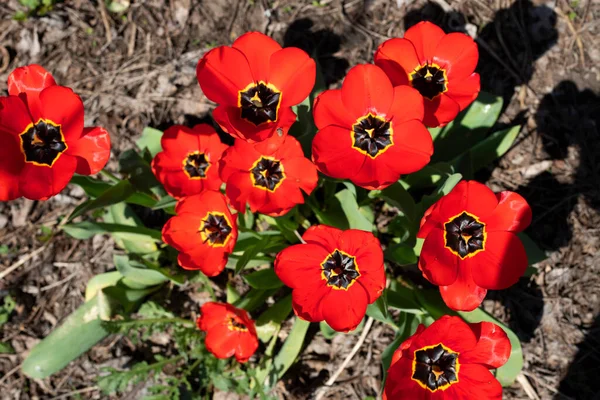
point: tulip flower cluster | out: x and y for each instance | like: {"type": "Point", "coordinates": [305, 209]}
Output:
{"type": "Point", "coordinates": [371, 131]}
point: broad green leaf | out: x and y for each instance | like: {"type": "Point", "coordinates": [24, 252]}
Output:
{"type": "Point", "coordinates": [396, 196]}
{"type": "Point", "coordinates": [331, 213]}
{"type": "Point", "coordinates": [254, 298]}
{"type": "Point", "coordinates": [122, 214]}
{"type": "Point", "coordinates": [140, 174]}
{"type": "Point", "coordinates": [468, 128]}
{"type": "Point", "coordinates": [401, 254]}
{"type": "Point", "coordinates": [232, 294]}
{"type": "Point", "coordinates": [150, 140]}
{"type": "Point", "coordinates": [486, 151]}
{"type": "Point", "coordinates": [166, 203]}
{"type": "Point", "coordinates": [350, 207]}
{"type": "Point", "coordinates": [87, 229]}
{"type": "Point", "coordinates": [115, 194]}
{"type": "Point", "coordinates": [327, 331]}
{"type": "Point", "coordinates": [99, 282]}
{"type": "Point", "coordinates": [263, 279]}
{"type": "Point", "coordinates": [76, 335]}
{"type": "Point", "coordinates": [95, 187]}
{"type": "Point", "coordinates": [251, 253]}
{"type": "Point", "coordinates": [428, 176]}
{"type": "Point", "coordinates": [269, 321]}
{"type": "Point", "coordinates": [6, 348]}
{"type": "Point", "coordinates": [506, 374]}
{"type": "Point", "coordinates": [378, 311]}
{"type": "Point", "coordinates": [289, 351]}
{"type": "Point", "coordinates": [403, 299]}
{"type": "Point", "coordinates": [137, 275]}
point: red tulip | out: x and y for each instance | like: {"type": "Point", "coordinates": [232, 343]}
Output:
{"type": "Point", "coordinates": [43, 139]}
{"type": "Point", "coordinates": [369, 131]}
{"type": "Point", "coordinates": [270, 176]}
{"type": "Point", "coordinates": [334, 276]}
{"type": "Point", "coordinates": [203, 231]}
{"type": "Point", "coordinates": [229, 331]}
{"type": "Point", "coordinates": [440, 66]}
{"type": "Point", "coordinates": [471, 243]}
{"type": "Point", "coordinates": [449, 360]}
{"type": "Point", "coordinates": [189, 162]}
{"type": "Point", "coordinates": [256, 82]}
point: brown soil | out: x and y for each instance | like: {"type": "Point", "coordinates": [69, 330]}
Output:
{"type": "Point", "coordinates": [138, 69]}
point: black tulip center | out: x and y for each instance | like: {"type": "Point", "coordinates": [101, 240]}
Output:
{"type": "Point", "coordinates": [435, 367]}
{"type": "Point", "coordinates": [260, 104]}
{"type": "Point", "coordinates": [268, 174]}
{"type": "Point", "coordinates": [465, 235]}
{"type": "Point", "coordinates": [196, 165]}
{"type": "Point", "coordinates": [234, 324]}
{"type": "Point", "coordinates": [429, 80]}
{"type": "Point", "coordinates": [43, 143]}
{"type": "Point", "coordinates": [372, 135]}
{"type": "Point", "coordinates": [215, 229]}
{"type": "Point", "coordinates": [340, 270]}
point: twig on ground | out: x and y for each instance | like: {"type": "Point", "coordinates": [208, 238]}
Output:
{"type": "Point", "coordinates": [71, 394]}
{"type": "Point", "coordinates": [355, 349]}
{"type": "Point", "coordinates": [575, 33]}
{"type": "Point", "coordinates": [22, 261]}
{"type": "Point", "coordinates": [529, 390]}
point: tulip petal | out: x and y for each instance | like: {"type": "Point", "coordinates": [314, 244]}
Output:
{"type": "Point", "coordinates": [258, 49]}
{"type": "Point", "coordinates": [92, 150]}
{"type": "Point", "coordinates": [492, 349]}
{"type": "Point", "coordinates": [41, 182]}
{"type": "Point", "coordinates": [425, 37]}
{"type": "Point", "coordinates": [367, 89]}
{"type": "Point", "coordinates": [512, 214]}
{"type": "Point", "coordinates": [463, 294]}
{"type": "Point", "coordinates": [398, 58]}
{"type": "Point", "coordinates": [293, 72]}
{"type": "Point", "coordinates": [438, 264]}
{"type": "Point", "coordinates": [456, 53]}
{"type": "Point", "coordinates": [502, 262]}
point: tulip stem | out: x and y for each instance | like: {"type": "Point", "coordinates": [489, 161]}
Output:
{"type": "Point", "coordinates": [109, 175]}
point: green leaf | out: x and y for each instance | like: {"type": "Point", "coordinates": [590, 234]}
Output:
{"type": "Point", "coordinates": [232, 294]}
{"type": "Point", "coordinates": [270, 321]}
{"type": "Point", "coordinates": [331, 213]}
{"type": "Point", "coordinates": [401, 254]}
{"type": "Point", "coordinates": [403, 299]}
{"type": "Point", "coordinates": [506, 374]}
{"type": "Point", "coordinates": [6, 309]}
{"type": "Point", "coordinates": [87, 229]}
{"type": "Point", "coordinates": [428, 176]}
{"type": "Point", "coordinates": [251, 253]}
{"type": "Point", "coordinates": [350, 207]}
{"type": "Point", "coordinates": [99, 282]}
{"type": "Point", "coordinates": [115, 194]}
{"type": "Point", "coordinates": [137, 275]}
{"type": "Point", "coordinates": [76, 335]}
{"type": "Point", "coordinates": [287, 354]}
{"type": "Point", "coordinates": [166, 203]}
{"type": "Point", "coordinates": [140, 174]}
{"type": "Point", "coordinates": [486, 151]}
{"type": "Point", "coordinates": [327, 331]}
{"type": "Point", "coordinates": [378, 310]}
{"type": "Point", "coordinates": [150, 140]}
{"type": "Point", "coordinates": [254, 299]}
{"type": "Point", "coordinates": [263, 279]}
{"type": "Point", "coordinates": [468, 128]}
{"type": "Point", "coordinates": [6, 348]}
{"type": "Point", "coordinates": [122, 214]}
{"type": "Point", "coordinates": [396, 196]}
{"type": "Point", "coordinates": [95, 188]}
